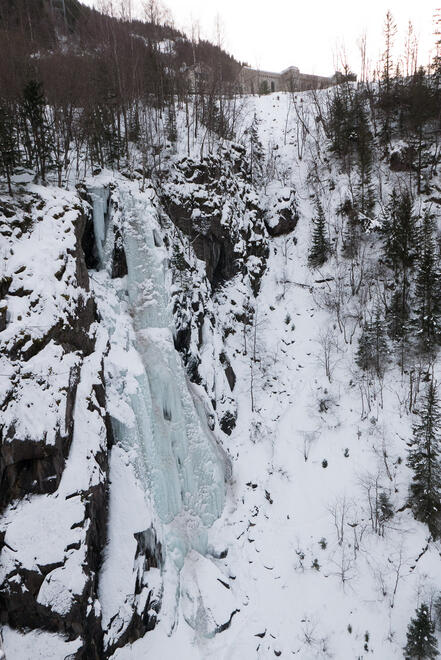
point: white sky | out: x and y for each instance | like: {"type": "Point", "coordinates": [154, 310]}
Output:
{"type": "Point", "coordinates": [274, 34]}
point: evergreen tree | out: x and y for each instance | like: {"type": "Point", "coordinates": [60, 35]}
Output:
{"type": "Point", "coordinates": [372, 353]}
{"type": "Point", "coordinates": [134, 126]}
{"type": "Point", "coordinates": [319, 251]}
{"type": "Point", "coordinates": [366, 198]}
{"type": "Point", "coordinates": [399, 246]}
{"type": "Point", "coordinates": [424, 460]}
{"type": "Point", "coordinates": [427, 297]}
{"type": "Point", "coordinates": [421, 642]}
{"type": "Point", "coordinates": [8, 142]}
{"type": "Point", "coordinates": [340, 124]}
{"type": "Point", "coordinates": [399, 231]}
{"type": "Point", "coordinates": [398, 312]}
{"type": "Point", "coordinates": [351, 237]}
{"type": "Point", "coordinates": [36, 126]}
{"type": "Point", "coordinates": [387, 101]}
{"type": "Point", "coordinates": [385, 509]}
{"type": "Point", "coordinates": [172, 130]}
{"type": "Point", "coordinates": [264, 88]}
{"type": "Point", "coordinates": [352, 142]}
{"type": "Point", "coordinates": [256, 153]}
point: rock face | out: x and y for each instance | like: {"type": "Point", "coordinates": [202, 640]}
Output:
{"type": "Point", "coordinates": [214, 203]}
{"type": "Point", "coordinates": [145, 605]}
{"type": "Point", "coordinates": [53, 522]}
{"type": "Point", "coordinates": [402, 157]}
{"type": "Point", "coordinates": [32, 458]}
{"type": "Point", "coordinates": [283, 216]}
{"type": "Point", "coordinates": [56, 441]}
{"type": "Point", "coordinates": [216, 207]}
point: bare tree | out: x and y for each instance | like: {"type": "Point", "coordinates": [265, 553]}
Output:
{"type": "Point", "coordinates": [328, 357]}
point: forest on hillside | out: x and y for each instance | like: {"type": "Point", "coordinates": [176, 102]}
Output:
{"type": "Point", "coordinates": [128, 75]}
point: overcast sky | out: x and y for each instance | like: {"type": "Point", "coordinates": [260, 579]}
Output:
{"type": "Point", "coordinates": [274, 34]}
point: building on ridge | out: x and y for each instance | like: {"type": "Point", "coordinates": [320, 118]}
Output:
{"type": "Point", "coordinates": [258, 81]}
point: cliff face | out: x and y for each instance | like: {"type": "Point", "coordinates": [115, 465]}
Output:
{"type": "Point", "coordinates": [62, 409]}
{"type": "Point", "coordinates": [54, 435]}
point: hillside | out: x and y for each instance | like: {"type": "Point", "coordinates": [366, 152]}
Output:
{"type": "Point", "coordinates": [116, 59]}
{"type": "Point", "coordinates": [220, 321]}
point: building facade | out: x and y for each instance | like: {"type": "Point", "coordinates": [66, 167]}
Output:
{"type": "Point", "coordinates": [257, 81]}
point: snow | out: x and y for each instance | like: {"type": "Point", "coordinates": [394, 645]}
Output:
{"type": "Point", "coordinates": [128, 514]}
{"type": "Point", "coordinates": [37, 645]}
{"type": "Point", "coordinates": [39, 257]}
{"type": "Point", "coordinates": [207, 600]}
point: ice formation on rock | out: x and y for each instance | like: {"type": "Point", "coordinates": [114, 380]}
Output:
{"type": "Point", "coordinates": [180, 462]}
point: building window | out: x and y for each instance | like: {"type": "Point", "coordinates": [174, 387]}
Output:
{"type": "Point", "coordinates": [273, 89]}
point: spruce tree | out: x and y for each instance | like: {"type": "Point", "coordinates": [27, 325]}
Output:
{"type": "Point", "coordinates": [172, 130]}
{"type": "Point", "coordinates": [399, 232]}
{"type": "Point", "coordinates": [399, 246]}
{"type": "Point", "coordinates": [340, 121]}
{"type": "Point", "coordinates": [256, 153]}
{"type": "Point", "coordinates": [372, 353]}
{"type": "Point", "coordinates": [387, 100]}
{"type": "Point", "coordinates": [427, 299]}
{"type": "Point", "coordinates": [360, 120]}
{"type": "Point", "coordinates": [424, 460]}
{"type": "Point", "coordinates": [320, 248]}
{"type": "Point", "coordinates": [421, 642]}
{"type": "Point", "coordinates": [398, 311]}
{"type": "Point", "coordinates": [351, 237]}
{"type": "Point", "coordinates": [385, 510]}
{"type": "Point", "coordinates": [264, 88]}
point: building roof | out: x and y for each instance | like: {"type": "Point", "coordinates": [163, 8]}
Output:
{"type": "Point", "coordinates": [263, 72]}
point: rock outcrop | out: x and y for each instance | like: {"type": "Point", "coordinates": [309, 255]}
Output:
{"type": "Point", "coordinates": [54, 433]}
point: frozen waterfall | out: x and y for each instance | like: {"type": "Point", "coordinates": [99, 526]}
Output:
{"type": "Point", "coordinates": [179, 460]}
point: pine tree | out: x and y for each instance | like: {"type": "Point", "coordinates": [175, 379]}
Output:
{"type": "Point", "coordinates": [372, 353]}
{"type": "Point", "coordinates": [421, 642]}
{"type": "Point", "coordinates": [320, 248]}
{"type": "Point", "coordinates": [256, 153]}
{"type": "Point", "coordinates": [427, 297]}
{"type": "Point", "coordinates": [424, 460]}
